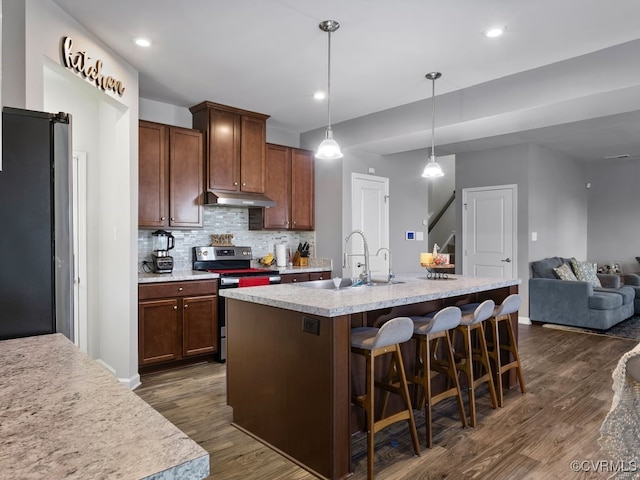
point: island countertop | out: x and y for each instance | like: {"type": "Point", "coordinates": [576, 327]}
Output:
{"type": "Point", "coordinates": [62, 415]}
{"type": "Point", "coordinates": [415, 288]}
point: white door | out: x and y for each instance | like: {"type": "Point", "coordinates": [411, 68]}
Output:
{"type": "Point", "coordinates": [369, 213]}
{"type": "Point", "coordinates": [80, 250]}
{"type": "Point", "coordinates": [489, 233]}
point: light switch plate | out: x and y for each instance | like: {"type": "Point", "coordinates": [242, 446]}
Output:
{"type": "Point", "coordinates": [420, 236]}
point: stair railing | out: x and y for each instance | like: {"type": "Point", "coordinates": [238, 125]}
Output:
{"type": "Point", "coordinates": [442, 212]}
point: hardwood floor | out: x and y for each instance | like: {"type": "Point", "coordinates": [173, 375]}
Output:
{"type": "Point", "coordinates": [534, 436]}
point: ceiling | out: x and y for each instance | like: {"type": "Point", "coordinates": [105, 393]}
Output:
{"type": "Point", "coordinates": [269, 56]}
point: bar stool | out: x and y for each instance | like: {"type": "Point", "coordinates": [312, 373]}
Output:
{"type": "Point", "coordinates": [474, 322]}
{"type": "Point", "coordinates": [372, 342]}
{"type": "Point", "coordinates": [502, 313]}
{"type": "Point", "coordinates": [428, 331]}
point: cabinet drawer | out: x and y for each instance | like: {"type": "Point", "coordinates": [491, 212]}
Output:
{"type": "Point", "coordinates": [177, 289]}
{"type": "Point", "coordinates": [319, 275]}
{"type": "Point", "coordinates": [294, 278]}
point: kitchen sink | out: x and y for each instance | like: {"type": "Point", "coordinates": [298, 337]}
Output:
{"type": "Point", "coordinates": [344, 283]}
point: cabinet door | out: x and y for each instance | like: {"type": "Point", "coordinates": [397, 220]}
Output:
{"type": "Point", "coordinates": [185, 178]}
{"type": "Point", "coordinates": [158, 331]}
{"type": "Point", "coordinates": [223, 159]}
{"type": "Point", "coordinates": [278, 187]}
{"type": "Point", "coordinates": [199, 325]}
{"type": "Point", "coordinates": [252, 154]}
{"type": "Point", "coordinates": [152, 174]}
{"type": "Point", "coordinates": [302, 190]}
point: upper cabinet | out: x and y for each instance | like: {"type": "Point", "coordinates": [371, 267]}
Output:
{"type": "Point", "coordinates": [170, 186]}
{"type": "Point", "coordinates": [235, 147]}
{"type": "Point", "coordinates": [289, 180]}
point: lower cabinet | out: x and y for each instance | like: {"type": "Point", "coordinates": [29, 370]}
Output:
{"type": "Point", "coordinates": [177, 320]}
{"type": "Point", "coordinates": [304, 277]}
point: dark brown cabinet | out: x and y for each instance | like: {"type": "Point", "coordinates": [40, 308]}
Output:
{"type": "Point", "coordinates": [304, 277]}
{"type": "Point", "coordinates": [235, 147]}
{"type": "Point", "coordinates": [289, 181]}
{"type": "Point", "coordinates": [170, 186]}
{"type": "Point", "coordinates": [177, 320]}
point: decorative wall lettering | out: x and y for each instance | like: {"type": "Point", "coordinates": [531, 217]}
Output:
{"type": "Point", "coordinates": [91, 70]}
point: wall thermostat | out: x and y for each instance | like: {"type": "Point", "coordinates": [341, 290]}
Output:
{"type": "Point", "coordinates": [410, 235]}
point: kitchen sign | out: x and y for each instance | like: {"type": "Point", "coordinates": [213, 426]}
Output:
{"type": "Point", "coordinates": [91, 70]}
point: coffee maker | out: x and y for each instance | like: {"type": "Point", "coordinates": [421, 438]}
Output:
{"type": "Point", "coordinates": [163, 241]}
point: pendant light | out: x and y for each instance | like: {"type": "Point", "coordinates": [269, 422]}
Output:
{"type": "Point", "coordinates": [433, 168]}
{"type": "Point", "coordinates": [329, 148]}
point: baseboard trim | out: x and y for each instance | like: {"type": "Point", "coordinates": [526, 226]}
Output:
{"type": "Point", "coordinates": [131, 383]}
{"type": "Point", "coordinates": [524, 320]}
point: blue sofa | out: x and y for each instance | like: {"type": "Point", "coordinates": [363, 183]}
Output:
{"type": "Point", "coordinates": [577, 303]}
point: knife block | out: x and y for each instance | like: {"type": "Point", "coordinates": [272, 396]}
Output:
{"type": "Point", "coordinates": [299, 261]}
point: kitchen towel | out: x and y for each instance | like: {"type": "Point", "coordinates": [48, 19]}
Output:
{"type": "Point", "coordinates": [281, 254]}
{"type": "Point", "coordinates": [252, 281]}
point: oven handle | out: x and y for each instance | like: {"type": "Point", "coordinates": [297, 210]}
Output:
{"type": "Point", "coordinates": [231, 282]}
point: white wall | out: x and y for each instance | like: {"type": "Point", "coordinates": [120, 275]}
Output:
{"type": "Point", "coordinates": [112, 146]}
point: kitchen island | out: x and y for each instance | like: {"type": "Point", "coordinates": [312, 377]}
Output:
{"type": "Point", "coordinates": [289, 367]}
{"type": "Point", "coordinates": [62, 415]}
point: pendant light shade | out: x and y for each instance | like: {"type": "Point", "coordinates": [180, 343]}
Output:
{"type": "Point", "coordinates": [329, 148]}
{"type": "Point", "coordinates": [433, 168]}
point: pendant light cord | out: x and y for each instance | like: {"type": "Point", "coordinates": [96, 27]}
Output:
{"type": "Point", "coordinates": [433, 119]}
{"type": "Point", "coordinates": [329, 84]}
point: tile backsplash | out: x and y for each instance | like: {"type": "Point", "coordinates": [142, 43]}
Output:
{"type": "Point", "coordinates": [221, 220]}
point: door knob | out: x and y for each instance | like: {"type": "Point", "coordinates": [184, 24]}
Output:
{"type": "Point", "coordinates": [508, 260]}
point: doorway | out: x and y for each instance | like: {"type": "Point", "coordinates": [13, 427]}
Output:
{"type": "Point", "coordinates": [489, 233]}
{"type": "Point", "coordinates": [369, 213]}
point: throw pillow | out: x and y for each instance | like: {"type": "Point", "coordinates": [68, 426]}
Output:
{"type": "Point", "coordinates": [564, 272]}
{"type": "Point", "coordinates": [585, 272]}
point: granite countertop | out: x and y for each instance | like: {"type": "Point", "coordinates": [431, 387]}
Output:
{"type": "Point", "coordinates": [176, 276]}
{"type": "Point", "coordinates": [316, 265]}
{"type": "Point", "coordinates": [331, 303]}
{"type": "Point", "coordinates": [64, 416]}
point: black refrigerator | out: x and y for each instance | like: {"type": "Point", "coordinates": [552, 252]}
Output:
{"type": "Point", "coordinates": [36, 249]}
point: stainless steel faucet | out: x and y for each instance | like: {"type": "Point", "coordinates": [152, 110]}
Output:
{"type": "Point", "coordinates": [366, 275]}
{"type": "Point", "coordinates": [391, 275]}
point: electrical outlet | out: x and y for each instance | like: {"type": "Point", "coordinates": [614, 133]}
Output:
{"type": "Point", "coordinates": [311, 325]}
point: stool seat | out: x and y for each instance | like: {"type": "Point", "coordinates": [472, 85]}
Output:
{"type": "Point", "coordinates": [372, 342]}
{"type": "Point", "coordinates": [397, 330]}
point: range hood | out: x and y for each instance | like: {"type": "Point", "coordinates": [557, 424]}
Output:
{"type": "Point", "coordinates": [238, 199]}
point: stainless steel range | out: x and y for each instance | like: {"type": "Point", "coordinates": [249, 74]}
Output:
{"type": "Point", "coordinates": [233, 264]}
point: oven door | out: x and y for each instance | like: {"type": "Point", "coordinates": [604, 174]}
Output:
{"type": "Point", "coordinates": [235, 282]}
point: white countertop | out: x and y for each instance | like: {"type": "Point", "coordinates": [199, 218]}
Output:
{"type": "Point", "coordinates": [332, 303]}
{"type": "Point", "coordinates": [62, 415]}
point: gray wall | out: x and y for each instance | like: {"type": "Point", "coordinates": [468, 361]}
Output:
{"type": "Point", "coordinates": [407, 209]}
{"type": "Point", "coordinates": [499, 166]}
{"type": "Point", "coordinates": [557, 206]}
{"type": "Point", "coordinates": [614, 212]}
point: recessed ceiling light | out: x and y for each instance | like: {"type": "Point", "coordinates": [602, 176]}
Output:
{"type": "Point", "coordinates": [142, 42]}
{"type": "Point", "coordinates": [495, 32]}
{"type": "Point", "coordinates": [319, 95]}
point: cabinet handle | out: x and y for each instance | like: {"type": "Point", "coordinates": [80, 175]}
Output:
{"type": "Point", "coordinates": [185, 305]}
{"type": "Point", "coordinates": [175, 307]}
{"type": "Point", "coordinates": [295, 280]}
{"type": "Point", "coordinates": [244, 184]}
{"type": "Point", "coordinates": [162, 218]}
{"type": "Point", "coordinates": [235, 184]}
{"type": "Point", "coordinates": [321, 277]}
{"type": "Point", "coordinates": [173, 219]}
{"type": "Point", "coordinates": [180, 289]}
